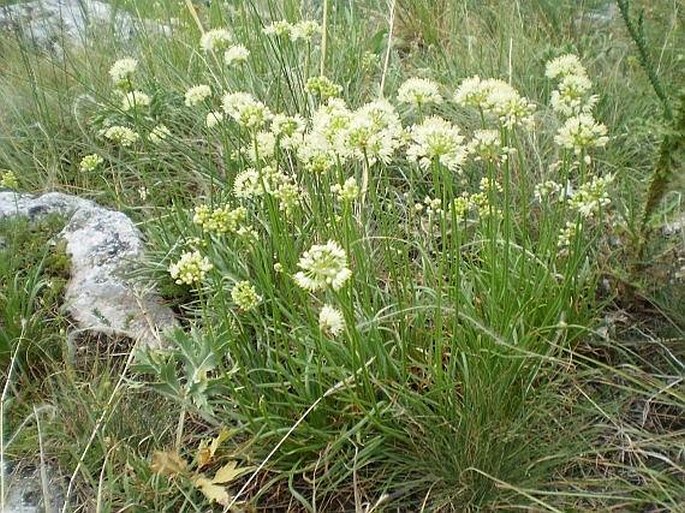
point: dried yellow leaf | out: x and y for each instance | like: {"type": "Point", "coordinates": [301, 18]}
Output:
{"type": "Point", "coordinates": [213, 492]}
{"type": "Point", "coordinates": [204, 454]}
{"type": "Point", "coordinates": [208, 448]}
{"type": "Point", "coordinates": [229, 472]}
{"type": "Point", "coordinates": [167, 463]}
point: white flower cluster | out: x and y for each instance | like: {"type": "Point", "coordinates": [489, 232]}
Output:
{"type": "Point", "coordinates": [486, 145]}
{"type": "Point", "coordinates": [572, 95]}
{"type": "Point", "coordinates": [288, 130]}
{"type": "Point", "coordinates": [245, 296]}
{"type": "Point", "coordinates": [90, 162]}
{"type": "Point", "coordinates": [220, 220]}
{"type": "Point", "coordinates": [573, 101]}
{"type": "Point", "coordinates": [437, 140]}
{"type": "Point", "coordinates": [323, 266]}
{"type": "Point", "coordinates": [581, 132]}
{"type": "Point", "coordinates": [122, 135]}
{"type": "Point", "coordinates": [592, 196]}
{"type": "Point", "coordinates": [418, 92]}
{"type": "Point", "coordinates": [159, 134]}
{"type": "Point", "coordinates": [246, 110]}
{"type": "Point", "coordinates": [331, 321]}
{"type": "Point", "coordinates": [122, 71]}
{"type": "Point", "coordinates": [348, 191]}
{"type": "Point", "coordinates": [236, 54]}
{"type": "Point", "coordinates": [197, 94]}
{"type": "Point", "coordinates": [134, 100]}
{"type": "Point", "coordinates": [496, 97]}
{"type": "Point", "coordinates": [215, 40]}
{"type": "Point", "coordinates": [251, 183]}
{"type": "Point", "coordinates": [190, 269]}
{"type": "Point", "coordinates": [304, 30]}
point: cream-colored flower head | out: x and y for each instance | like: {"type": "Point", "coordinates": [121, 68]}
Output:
{"type": "Point", "coordinates": [496, 97]}
{"type": "Point", "coordinates": [122, 70]}
{"type": "Point", "coordinates": [159, 134]}
{"type": "Point", "coordinates": [122, 135]}
{"type": "Point", "coordinates": [134, 100]}
{"type": "Point", "coordinates": [508, 105]}
{"type": "Point", "coordinates": [236, 54]}
{"type": "Point", "coordinates": [323, 266]}
{"type": "Point", "coordinates": [289, 130]}
{"type": "Point", "coordinates": [8, 180]}
{"type": "Point", "coordinates": [348, 191]}
{"type": "Point", "coordinates": [245, 296]}
{"type": "Point", "coordinates": [331, 321]}
{"type": "Point", "coordinates": [548, 192]}
{"type": "Point", "coordinates": [566, 236]}
{"type": "Point", "coordinates": [190, 269]}
{"type": "Point", "coordinates": [197, 94]}
{"type": "Point", "coordinates": [437, 140]}
{"type": "Point", "coordinates": [419, 92]}
{"type": "Point", "coordinates": [262, 148]}
{"type": "Point", "coordinates": [247, 184]}
{"type": "Point", "coordinates": [215, 40]}
{"type": "Point", "coordinates": [219, 220]}
{"type": "Point", "coordinates": [486, 145]}
{"type": "Point", "coordinates": [580, 133]}
{"type": "Point", "coordinates": [592, 196]}
{"type": "Point", "coordinates": [373, 132]}
{"type": "Point", "coordinates": [564, 66]}
{"type": "Point", "coordinates": [90, 162]}
{"type": "Point", "coordinates": [573, 97]}
{"type": "Point", "coordinates": [323, 87]}
{"type": "Point", "coordinates": [246, 110]}
{"type": "Point", "coordinates": [305, 30]}
{"type": "Point", "coordinates": [278, 28]}
{"type": "Point", "coordinates": [214, 118]}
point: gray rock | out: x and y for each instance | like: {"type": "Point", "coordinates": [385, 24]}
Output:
{"type": "Point", "coordinates": [32, 490]}
{"type": "Point", "coordinates": [52, 23]}
{"type": "Point", "coordinates": [104, 246]}
{"type": "Point", "coordinates": [675, 227]}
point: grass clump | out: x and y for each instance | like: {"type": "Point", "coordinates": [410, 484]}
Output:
{"type": "Point", "coordinates": [34, 270]}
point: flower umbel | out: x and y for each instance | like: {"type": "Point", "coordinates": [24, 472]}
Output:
{"type": "Point", "coordinates": [419, 92]}
{"type": "Point", "coordinates": [245, 295]}
{"type": "Point", "coordinates": [90, 162]}
{"type": "Point", "coordinates": [215, 39]}
{"type": "Point", "coordinates": [323, 266]}
{"type": "Point", "coordinates": [121, 135]}
{"type": "Point", "coordinates": [197, 94]}
{"type": "Point", "coordinates": [580, 133]}
{"type": "Point", "coordinates": [246, 110]}
{"type": "Point", "coordinates": [331, 321]}
{"type": "Point", "coordinates": [236, 54]}
{"type": "Point", "coordinates": [134, 100]}
{"type": "Point", "coordinates": [159, 134]}
{"type": "Point", "coordinates": [437, 140]}
{"type": "Point", "coordinates": [122, 71]}
{"type": "Point", "coordinates": [190, 269]}
{"type": "Point", "coordinates": [9, 180]}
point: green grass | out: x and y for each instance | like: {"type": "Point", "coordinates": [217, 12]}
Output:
{"type": "Point", "coordinates": [481, 366]}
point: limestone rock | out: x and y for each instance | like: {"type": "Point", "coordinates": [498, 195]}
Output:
{"type": "Point", "coordinates": [104, 246]}
{"type": "Point", "coordinates": [52, 23]}
{"type": "Point", "coordinates": [32, 490]}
